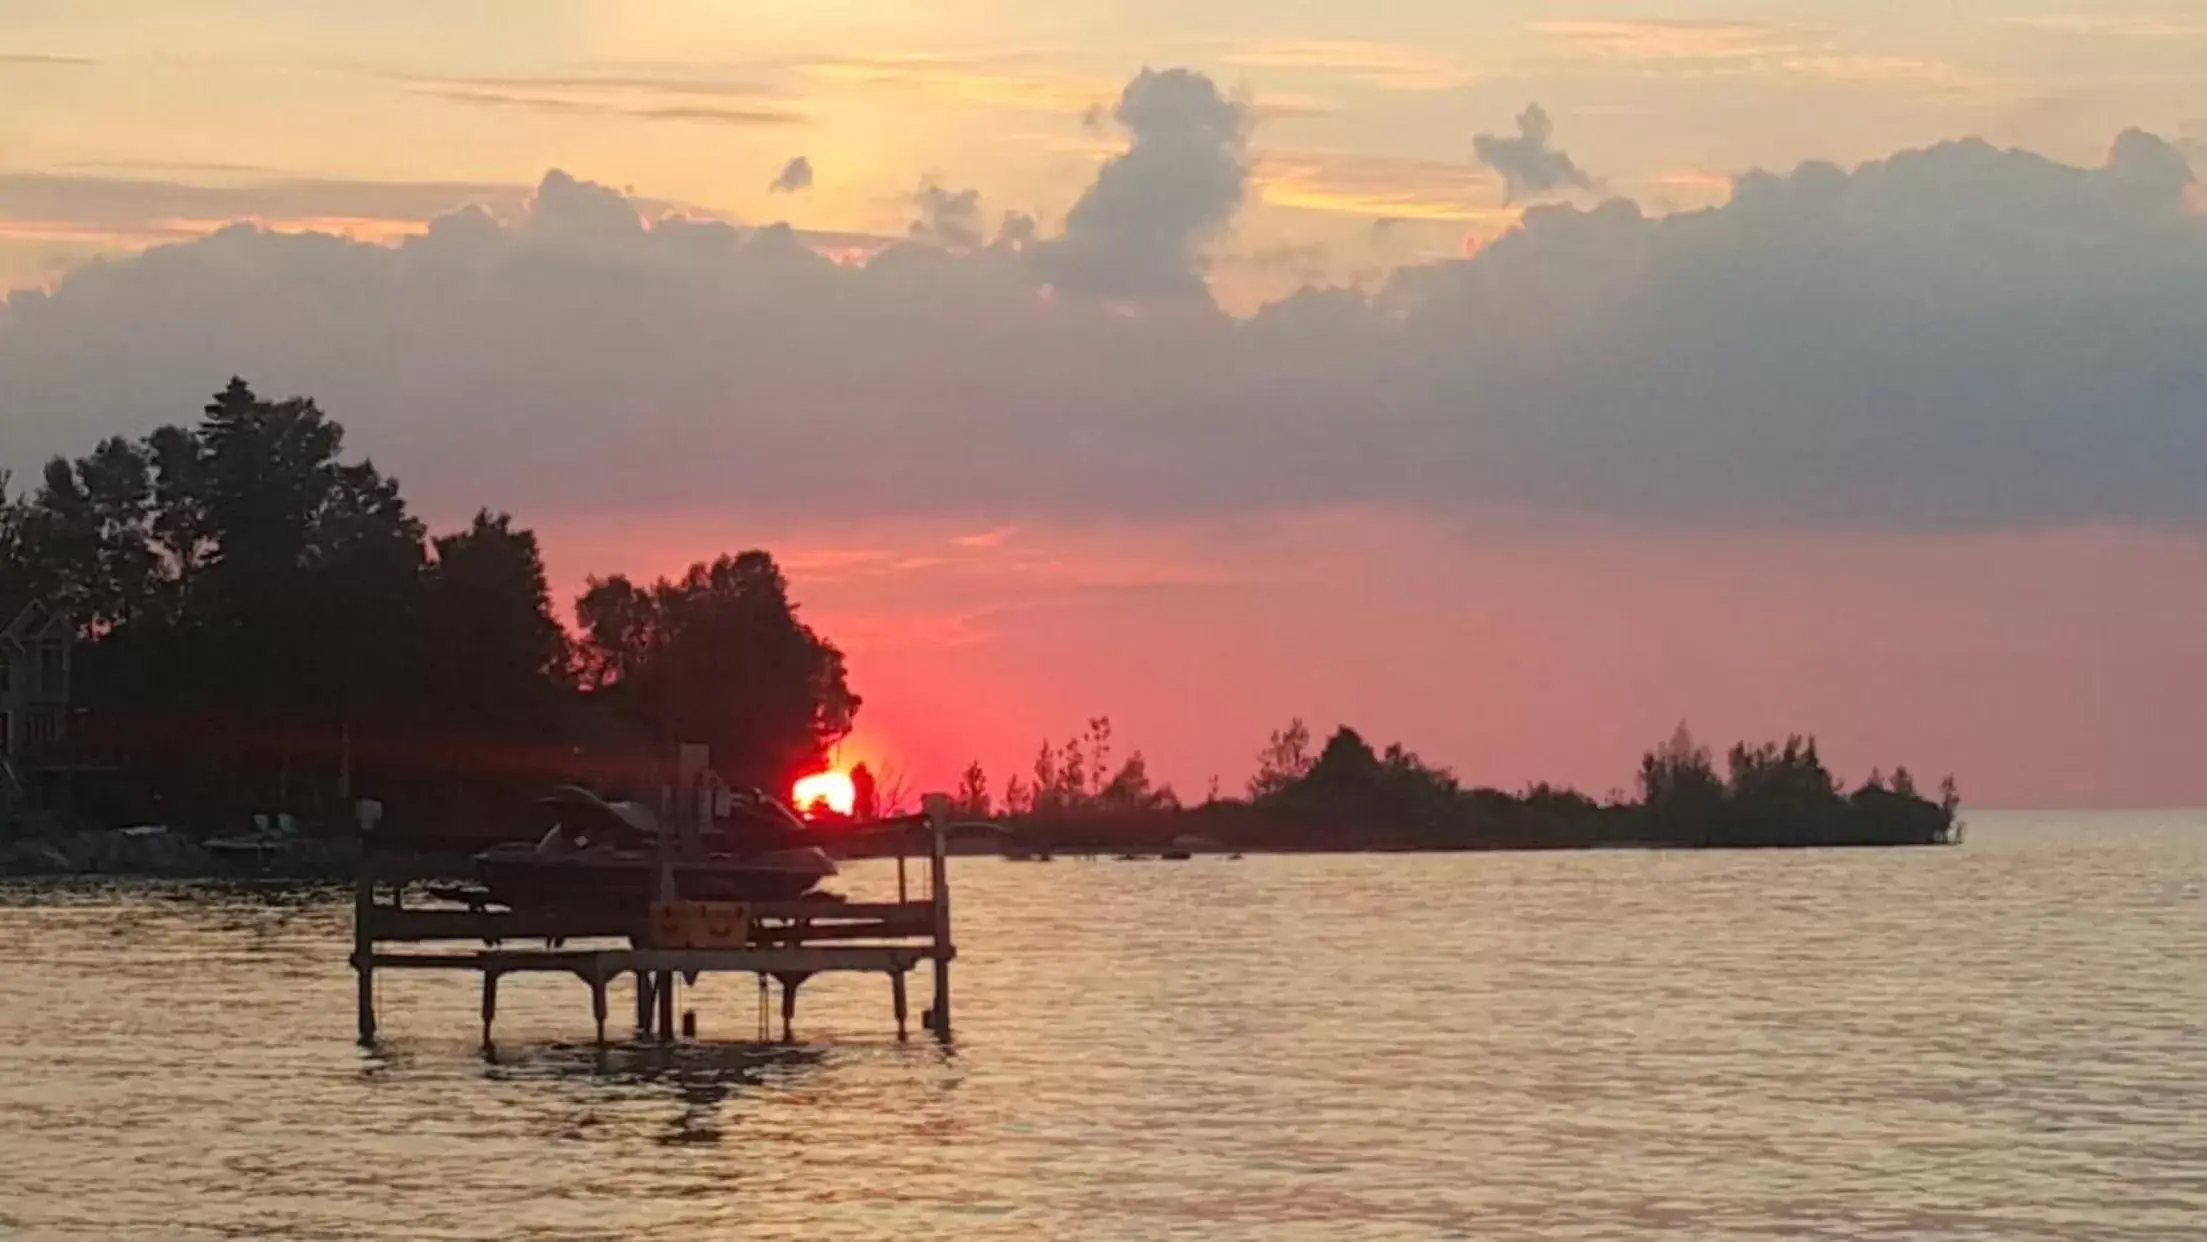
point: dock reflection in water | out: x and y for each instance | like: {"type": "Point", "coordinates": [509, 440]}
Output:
{"type": "Point", "coordinates": [2000, 1041]}
{"type": "Point", "coordinates": [701, 1077]}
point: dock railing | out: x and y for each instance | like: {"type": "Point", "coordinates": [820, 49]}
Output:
{"type": "Point", "coordinates": [787, 942]}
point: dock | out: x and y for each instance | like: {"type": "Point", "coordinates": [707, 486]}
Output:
{"type": "Point", "coordinates": [658, 949]}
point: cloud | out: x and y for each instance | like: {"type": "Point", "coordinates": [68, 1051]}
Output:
{"type": "Point", "coordinates": [663, 85]}
{"type": "Point", "coordinates": [1135, 232]}
{"type": "Point", "coordinates": [37, 60]}
{"type": "Point", "coordinates": [643, 96]}
{"type": "Point", "coordinates": [133, 203]}
{"type": "Point", "coordinates": [951, 219]}
{"type": "Point", "coordinates": [1958, 337]}
{"type": "Point", "coordinates": [2153, 27]}
{"type": "Point", "coordinates": [1530, 167]}
{"type": "Point", "coordinates": [705, 113]}
{"type": "Point", "coordinates": [1002, 81]}
{"type": "Point", "coordinates": [1392, 66]}
{"type": "Point", "coordinates": [796, 175]}
{"type": "Point", "coordinates": [1703, 47]}
{"type": "Point", "coordinates": [1677, 39]}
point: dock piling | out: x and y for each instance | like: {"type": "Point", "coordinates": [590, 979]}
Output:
{"type": "Point", "coordinates": [597, 1005]}
{"type": "Point", "coordinates": [791, 981]}
{"type": "Point", "coordinates": [896, 1001]}
{"type": "Point", "coordinates": [490, 1003]}
{"type": "Point", "coordinates": [938, 813]}
{"type": "Point", "coordinates": [366, 813]}
{"type": "Point", "coordinates": [663, 992]}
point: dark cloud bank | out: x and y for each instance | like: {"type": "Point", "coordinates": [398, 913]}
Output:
{"type": "Point", "coordinates": [1961, 336]}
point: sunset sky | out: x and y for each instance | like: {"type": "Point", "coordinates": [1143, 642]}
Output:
{"type": "Point", "coordinates": [1512, 379]}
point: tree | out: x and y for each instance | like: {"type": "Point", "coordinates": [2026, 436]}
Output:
{"type": "Point", "coordinates": [719, 656]}
{"type": "Point", "coordinates": [618, 631]}
{"type": "Point", "coordinates": [1130, 789]}
{"type": "Point", "coordinates": [972, 798]}
{"type": "Point", "coordinates": [494, 654]}
{"type": "Point", "coordinates": [1284, 761]}
{"type": "Point", "coordinates": [1680, 789]}
{"type": "Point", "coordinates": [1788, 779]}
{"type": "Point", "coordinates": [1019, 796]}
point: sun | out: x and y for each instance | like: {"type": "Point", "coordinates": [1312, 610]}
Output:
{"type": "Point", "coordinates": [832, 790]}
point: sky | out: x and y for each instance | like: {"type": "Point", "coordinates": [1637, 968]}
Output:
{"type": "Point", "coordinates": [1516, 380]}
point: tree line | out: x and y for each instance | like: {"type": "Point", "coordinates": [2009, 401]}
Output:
{"type": "Point", "coordinates": [1348, 795]}
{"type": "Point", "coordinates": [265, 625]}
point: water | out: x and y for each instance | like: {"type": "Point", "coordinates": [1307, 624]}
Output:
{"type": "Point", "coordinates": [2003, 1041]}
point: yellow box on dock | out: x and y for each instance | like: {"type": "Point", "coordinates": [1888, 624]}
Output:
{"type": "Point", "coordinates": [700, 924]}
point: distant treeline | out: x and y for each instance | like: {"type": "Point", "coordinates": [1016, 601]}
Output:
{"type": "Point", "coordinates": [1349, 796]}
{"type": "Point", "coordinates": [266, 627]}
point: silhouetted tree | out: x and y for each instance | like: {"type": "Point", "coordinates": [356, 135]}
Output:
{"type": "Point", "coordinates": [1019, 796]}
{"type": "Point", "coordinates": [719, 656]}
{"type": "Point", "coordinates": [494, 655]}
{"type": "Point", "coordinates": [972, 798]}
{"type": "Point", "coordinates": [1284, 760]}
{"type": "Point", "coordinates": [1680, 789]}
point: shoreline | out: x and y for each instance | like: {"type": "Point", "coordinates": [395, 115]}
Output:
{"type": "Point", "coordinates": [136, 854]}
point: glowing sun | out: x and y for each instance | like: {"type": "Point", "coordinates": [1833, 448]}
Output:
{"type": "Point", "coordinates": [832, 790]}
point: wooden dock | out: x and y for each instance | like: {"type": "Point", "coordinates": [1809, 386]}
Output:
{"type": "Point", "coordinates": [786, 942]}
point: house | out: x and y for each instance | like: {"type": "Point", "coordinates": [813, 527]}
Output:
{"type": "Point", "coordinates": [36, 648]}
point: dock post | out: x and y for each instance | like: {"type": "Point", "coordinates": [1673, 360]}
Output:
{"type": "Point", "coordinates": [663, 992]}
{"type": "Point", "coordinates": [896, 1000]}
{"type": "Point", "coordinates": [643, 1002]}
{"type": "Point", "coordinates": [938, 814]}
{"type": "Point", "coordinates": [791, 981]}
{"type": "Point", "coordinates": [490, 1003]}
{"type": "Point", "coordinates": [367, 812]}
{"type": "Point", "coordinates": [597, 1004]}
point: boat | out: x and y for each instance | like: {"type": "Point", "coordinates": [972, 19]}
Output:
{"type": "Point", "coordinates": [601, 855]}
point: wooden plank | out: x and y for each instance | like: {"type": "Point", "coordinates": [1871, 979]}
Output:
{"type": "Point", "coordinates": [840, 931]}
{"type": "Point", "coordinates": [774, 961]}
{"type": "Point", "coordinates": [611, 961]}
{"type": "Point", "coordinates": [824, 910]}
{"type": "Point", "coordinates": [885, 920]}
{"type": "Point", "coordinates": [387, 924]}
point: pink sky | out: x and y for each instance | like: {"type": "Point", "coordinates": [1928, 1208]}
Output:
{"type": "Point", "coordinates": [2050, 669]}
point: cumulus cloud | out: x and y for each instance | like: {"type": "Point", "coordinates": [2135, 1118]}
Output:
{"type": "Point", "coordinates": [947, 218]}
{"type": "Point", "coordinates": [1529, 166]}
{"type": "Point", "coordinates": [795, 175]}
{"type": "Point", "coordinates": [582, 210]}
{"type": "Point", "coordinates": [1135, 233]}
{"type": "Point", "coordinates": [1955, 337]}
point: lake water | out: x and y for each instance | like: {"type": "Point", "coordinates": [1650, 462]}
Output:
{"type": "Point", "coordinates": [2002, 1041]}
